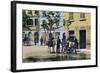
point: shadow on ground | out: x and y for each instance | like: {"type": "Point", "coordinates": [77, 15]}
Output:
{"type": "Point", "coordinates": [57, 57]}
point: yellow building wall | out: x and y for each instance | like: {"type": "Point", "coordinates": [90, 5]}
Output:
{"type": "Point", "coordinates": [77, 25]}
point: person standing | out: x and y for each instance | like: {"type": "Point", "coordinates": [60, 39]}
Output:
{"type": "Point", "coordinates": [30, 38]}
{"type": "Point", "coordinates": [58, 45]}
{"type": "Point", "coordinates": [34, 40]}
{"type": "Point", "coordinates": [41, 40]}
{"type": "Point", "coordinates": [50, 43]}
{"type": "Point", "coordinates": [76, 44]}
{"type": "Point", "coordinates": [26, 43]}
{"type": "Point", "coordinates": [23, 37]}
{"type": "Point", "coordinates": [53, 46]}
{"type": "Point", "coordinates": [63, 43]}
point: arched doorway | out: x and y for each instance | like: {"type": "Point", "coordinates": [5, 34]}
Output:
{"type": "Point", "coordinates": [36, 38]}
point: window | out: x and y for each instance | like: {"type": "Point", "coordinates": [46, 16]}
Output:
{"type": "Point", "coordinates": [29, 22]}
{"type": "Point", "coordinates": [82, 15]}
{"type": "Point", "coordinates": [71, 16]}
{"type": "Point", "coordinates": [36, 22]}
{"type": "Point", "coordinates": [44, 14]}
{"type": "Point", "coordinates": [30, 12]}
{"type": "Point", "coordinates": [36, 12]}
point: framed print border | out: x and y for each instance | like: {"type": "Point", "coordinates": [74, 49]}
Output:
{"type": "Point", "coordinates": [14, 33]}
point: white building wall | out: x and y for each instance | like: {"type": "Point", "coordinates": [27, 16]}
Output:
{"type": "Point", "coordinates": [41, 18]}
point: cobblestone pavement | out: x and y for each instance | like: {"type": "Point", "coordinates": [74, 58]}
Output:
{"type": "Point", "coordinates": [42, 54]}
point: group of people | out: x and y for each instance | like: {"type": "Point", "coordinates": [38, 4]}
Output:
{"type": "Point", "coordinates": [63, 45]}
{"type": "Point", "coordinates": [58, 45]}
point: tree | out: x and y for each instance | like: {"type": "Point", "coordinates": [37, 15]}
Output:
{"type": "Point", "coordinates": [25, 18]}
{"type": "Point", "coordinates": [52, 18]}
{"type": "Point", "coordinates": [45, 27]}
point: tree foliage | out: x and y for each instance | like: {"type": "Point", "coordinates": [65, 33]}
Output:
{"type": "Point", "coordinates": [52, 18]}
{"type": "Point", "coordinates": [24, 20]}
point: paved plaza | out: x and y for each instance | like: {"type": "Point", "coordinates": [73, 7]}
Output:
{"type": "Point", "coordinates": [42, 54]}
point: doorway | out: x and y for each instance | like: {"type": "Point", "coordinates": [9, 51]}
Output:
{"type": "Point", "coordinates": [82, 39]}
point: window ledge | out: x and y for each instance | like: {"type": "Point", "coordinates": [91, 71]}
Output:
{"type": "Point", "coordinates": [82, 19]}
{"type": "Point", "coordinates": [71, 20]}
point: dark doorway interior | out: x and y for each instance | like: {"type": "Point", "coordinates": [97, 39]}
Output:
{"type": "Point", "coordinates": [82, 39]}
{"type": "Point", "coordinates": [36, 37]}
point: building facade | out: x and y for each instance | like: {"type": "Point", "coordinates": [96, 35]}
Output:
{"type": "Point", "coordinates": [37, 19]}
{"type": "Point", "coordinates": [80, 27]}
